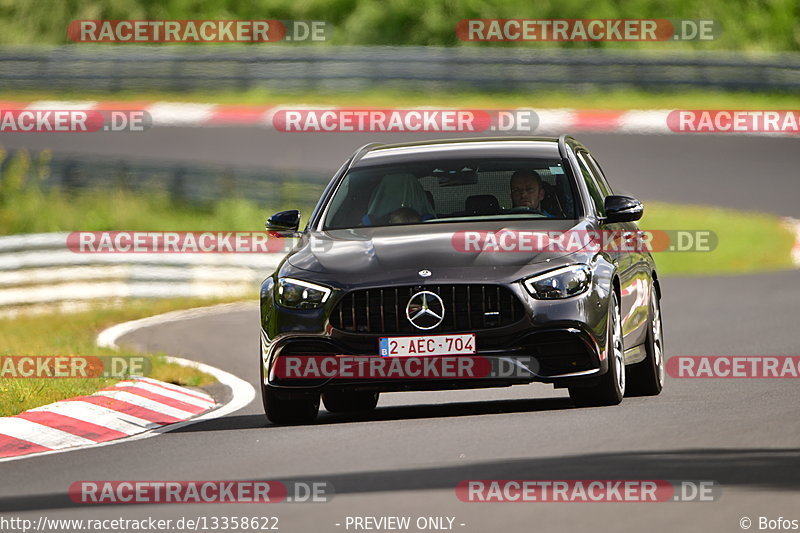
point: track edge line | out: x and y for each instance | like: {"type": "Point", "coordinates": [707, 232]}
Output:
{"type": "Point", "coordinates": [242, 393]}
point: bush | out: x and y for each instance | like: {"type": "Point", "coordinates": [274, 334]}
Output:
{"type": "Point", "coordinates": [763, 25]}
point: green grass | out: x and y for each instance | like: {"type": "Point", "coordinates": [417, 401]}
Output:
{"type": "Point", "coordinates": [27, 207]}
{"type": "Point", "coordinates": [386, 97]}
{"type": "Point", "coordinates": [71, 334]}
{"type": "Point", "coordinates": [747, 241]}
{"type": "Point", "coordinates": [99, 210]}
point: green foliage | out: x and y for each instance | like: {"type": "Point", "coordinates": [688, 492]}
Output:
{"type": "Point", "coordinates": [26, 207]}
{"type": "Point", "coordinates": [753, 25]}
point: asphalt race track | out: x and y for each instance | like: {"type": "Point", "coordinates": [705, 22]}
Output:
{"type": "Point", "coordinates": [407, 456]}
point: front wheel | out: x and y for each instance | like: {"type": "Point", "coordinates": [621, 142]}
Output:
{"type": "Point", "coordinates": [646, 378]}
{"type": "Point", "coordinates": [283, 410]}
{"type": "Point", "coordinates": [286, 410]}
{"type": "Point", "coordinates": [611, 387]}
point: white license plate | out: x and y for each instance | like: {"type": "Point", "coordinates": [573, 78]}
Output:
{"type": "Point", "coordinates": [427, 345]}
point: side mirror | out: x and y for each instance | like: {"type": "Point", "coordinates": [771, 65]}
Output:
{"type": "Point", "coordinates": [622, 209]}
{"type": "Point", "coordinates": [284, 223]}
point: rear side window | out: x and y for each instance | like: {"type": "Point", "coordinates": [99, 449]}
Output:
{"type": "Point", "coordinates": [598, 198]}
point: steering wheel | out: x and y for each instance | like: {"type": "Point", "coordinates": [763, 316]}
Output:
{"type": "Point", "coordinates": [524, 209]}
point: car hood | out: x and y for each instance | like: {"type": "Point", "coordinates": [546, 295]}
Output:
{"type": "Point", "coordinates": [363, 254]}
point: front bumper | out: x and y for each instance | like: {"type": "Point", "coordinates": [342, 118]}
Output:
{"type": "Point", "coordinates": [556, 341]}
{"type": "Point", "coordinates": [558, 355]}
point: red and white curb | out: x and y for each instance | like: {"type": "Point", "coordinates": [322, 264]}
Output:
{"type": "Point", "coordinates": [128, 408]}
{"type": "Point", "coordinates": [132, 409]}
{"type": "Point", "coordinates": [186, 114]}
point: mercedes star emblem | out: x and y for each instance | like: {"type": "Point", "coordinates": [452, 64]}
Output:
{"type": "Point", "coordinates": [425, 273]}
{"type": "Point", "coordinates": [425, 310]}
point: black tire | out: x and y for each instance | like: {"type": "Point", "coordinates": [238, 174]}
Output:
{"type": "Point", "coordinates": [610, 389]}
{"type": "Point", "coordinates": [646, 378]}
{"type": "Point", "coordinates": [350, 401]}
{"type": "Point", "coordinates": [287, 410]}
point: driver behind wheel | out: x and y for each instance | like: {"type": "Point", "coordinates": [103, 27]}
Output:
{"type": "Point", "coordinates": [527, 190]}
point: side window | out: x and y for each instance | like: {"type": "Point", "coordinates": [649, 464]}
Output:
{"type": "Point", "coordinates": [601, 177]}
{"type": "Point", "coordinates": [597, 195]}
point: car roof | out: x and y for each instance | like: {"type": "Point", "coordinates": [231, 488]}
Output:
{"type": "Point", "coordinates": [479, 147]}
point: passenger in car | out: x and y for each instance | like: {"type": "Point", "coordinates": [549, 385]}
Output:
{"type": "Point", "coordinates": [404, 215]}
{"type": "Point", "coordinates": [394, 192]}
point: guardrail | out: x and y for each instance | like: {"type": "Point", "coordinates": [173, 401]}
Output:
{"type": "Point", "coordinates": [39, 269]}
{"type": "Point", "coordinates": [338, 68]}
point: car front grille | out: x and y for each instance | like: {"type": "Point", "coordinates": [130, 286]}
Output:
{"type": "Point", "coordinates": [467, 308]}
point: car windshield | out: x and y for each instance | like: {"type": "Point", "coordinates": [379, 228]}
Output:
{"type": "Point", "coordinates": [446, 191]}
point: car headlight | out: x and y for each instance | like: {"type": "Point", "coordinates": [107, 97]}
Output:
{"type": "Point", "coordinates": [560, 283]}
{"type": "Point", "coordinates": [297, 294]}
